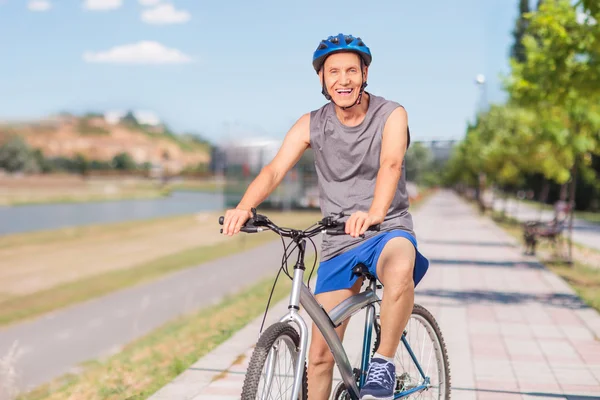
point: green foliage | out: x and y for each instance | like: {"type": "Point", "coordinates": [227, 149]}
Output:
{"type": "Point", "coordinates": [82, 165]}
{"type": "Point", "coordinates": [419, 161]}
{"type": "Point", "coordinates": [550, 126]}
{"type": "Point", "coordinates": [17, 156]}
{"type": "Point", "coordinates": [591, 6]}
{"type": "Point", "coordinates": [518, 50]}
{"type": "Point", "coordinates": [124, 162]}
{"type": "Point", "coordinates": [85, 128]}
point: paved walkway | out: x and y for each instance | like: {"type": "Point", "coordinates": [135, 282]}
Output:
{"type": "Point", "coordinates": [513, 329]}
{"type": "Point", "coordinates": [584, 232]}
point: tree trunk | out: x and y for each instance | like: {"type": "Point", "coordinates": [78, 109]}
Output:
{"type": "Point", "coordinates": [572, 209]}
{"type": "Point", "coordinates": [543, 197]}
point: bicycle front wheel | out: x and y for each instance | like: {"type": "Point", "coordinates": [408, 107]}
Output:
{"type": "Point", "coordinates": [425, 340]}
{"type": "Point", "coordinates": [273, 364]}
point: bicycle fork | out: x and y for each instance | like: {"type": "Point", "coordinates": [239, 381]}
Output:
{"type": "Point", "coordinates": [293, 316]}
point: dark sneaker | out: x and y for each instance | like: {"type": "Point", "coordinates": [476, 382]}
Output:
{"type": "Point", "coordinates": [380, 382]}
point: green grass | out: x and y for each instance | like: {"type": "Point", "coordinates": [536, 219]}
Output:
{"type": "Point", "coordinates": [584, 279]}
{"type": "Point", "coordinates": [91, 198]}
{"type": "Point", "coordinates": [589, 216]}
{"type": "Point", "coordinates": [86, 128]}
{"type": "Point", "coordinates": [85, 231]}
{"type": "Point", "coordinates": [152, 361]}
{"type": "Point", "coordinates": [21, 307]}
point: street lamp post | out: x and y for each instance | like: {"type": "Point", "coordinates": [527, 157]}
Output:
{"type": "Point", "coordinates": [481, 82]}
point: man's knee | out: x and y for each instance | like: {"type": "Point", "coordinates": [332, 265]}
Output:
{"type": "Point", "coordinates": [320, 356]}
{"type": "Point", "coordinates": [396, 264]}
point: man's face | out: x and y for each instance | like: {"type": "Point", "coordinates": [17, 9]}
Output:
{"type": "Point", "coordinates": [342, 76]}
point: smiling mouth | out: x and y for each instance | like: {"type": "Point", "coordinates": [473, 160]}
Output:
{"type": "Point", "coordinates": [344, 92]}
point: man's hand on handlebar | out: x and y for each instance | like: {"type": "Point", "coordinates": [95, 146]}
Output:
{"type": "Point", "coordinates": [360, 221]}
{"type": "Point", "coordinates": [240, 220]}
{"type": "Point", "coordinates": [234, 220]}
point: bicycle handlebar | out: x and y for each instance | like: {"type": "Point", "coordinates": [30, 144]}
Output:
{"type": "Point", "coordinates": [327, 225]}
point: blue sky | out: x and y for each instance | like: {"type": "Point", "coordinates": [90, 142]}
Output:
{"type": "Point", "coordinates": [241, 68]}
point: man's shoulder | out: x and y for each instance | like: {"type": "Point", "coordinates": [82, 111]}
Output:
{"type": "Point", "coordinates": [317, 115]}
{"type": "Point", "coordinates": [385, 103]}
{"type": "Point", "coordinates": [321, 110]}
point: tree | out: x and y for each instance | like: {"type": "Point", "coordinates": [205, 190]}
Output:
{"type": "Point", "coordinates": [518, 50]}
{"type": "Point", "coordinates": [419, 160]}
{"type": "Point", "coordinates": [16, 156]}
{"type": "Point", "coordinates": [82, 165]}
{"type": "Point", "coordinates": [560, 81]}
{"type": "Point", "coordinates": [124, 162]}
{"type": "Point", "coordinates": [591, 6]}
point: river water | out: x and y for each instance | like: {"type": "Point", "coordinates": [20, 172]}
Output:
{"type": "Point", "coordinates": [30, 218]}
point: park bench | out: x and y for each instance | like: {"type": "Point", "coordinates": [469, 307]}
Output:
{"type": "Point", "coordinates": [550, 231]}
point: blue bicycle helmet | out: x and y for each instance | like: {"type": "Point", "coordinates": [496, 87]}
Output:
{"type": "Point", "coordinates": [340, 43]}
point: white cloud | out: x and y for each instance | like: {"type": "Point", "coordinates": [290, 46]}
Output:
{"type": "Point", "coordinates": [102, 5]}
{"type": "Point", "coordinates": [145, 52]}
{"type": "Point", "coordinates": [165, 14]}
{"type": "Point", "coordinates": [39, 5]}
{"type": "Point", "coordinates": [149, 2]}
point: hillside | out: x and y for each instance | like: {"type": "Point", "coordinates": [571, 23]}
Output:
{"type": "Point", "coordinates": [99, 138]}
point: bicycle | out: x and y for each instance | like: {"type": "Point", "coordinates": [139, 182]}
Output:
{"type": "Point", "coordinates": [265, 356]}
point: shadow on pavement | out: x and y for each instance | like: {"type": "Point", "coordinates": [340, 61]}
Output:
{"type": "Point", "coordinates": [484, 263]}
{"type": "Point", "coordinates": [562, 300]}
{"type": "Point", "coordinates": [533, 394]}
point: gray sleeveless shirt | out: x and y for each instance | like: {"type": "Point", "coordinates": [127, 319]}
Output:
{"type": "Point", "coordinates": [347, 162]}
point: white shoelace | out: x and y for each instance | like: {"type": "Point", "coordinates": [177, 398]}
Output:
{"type": "Point", "coordinates": [378, 372]}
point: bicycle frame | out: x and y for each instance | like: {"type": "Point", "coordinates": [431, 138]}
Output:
{"type": "Point", "coordinates": [326, 323]}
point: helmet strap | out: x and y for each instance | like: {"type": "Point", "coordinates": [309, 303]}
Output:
{"type": "Point", "coordinates": [359, 98]}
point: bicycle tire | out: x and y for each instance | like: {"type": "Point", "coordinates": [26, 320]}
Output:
{"type": "Point", "coordinates": [426, 315]}
{"type": "Point", "coordinates": [259, 358]}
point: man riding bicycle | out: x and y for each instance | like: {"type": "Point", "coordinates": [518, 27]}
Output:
{"type": "Point", "coordinates": [359, 141]}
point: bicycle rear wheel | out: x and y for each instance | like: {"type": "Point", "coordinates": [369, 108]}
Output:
{"type": "Point", "coordinates": [273, 365]}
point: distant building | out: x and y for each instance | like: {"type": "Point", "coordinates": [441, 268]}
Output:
{"type": "Point", "coordinates": [242, 161]}
{"type": "Point", "coordinates": [441, 150]}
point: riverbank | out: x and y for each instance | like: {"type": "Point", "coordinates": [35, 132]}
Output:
{"type": "Point", "coordinates": [63, 188]}
{"type": "Point", "coordinates": [80, 263]}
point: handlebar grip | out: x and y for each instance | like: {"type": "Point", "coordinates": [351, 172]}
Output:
{"type": "Point", "coordinates": [335, 232]}
{"type": "Point", "coordinates": [253, 229]}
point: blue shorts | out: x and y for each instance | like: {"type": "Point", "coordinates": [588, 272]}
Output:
{"type": "Point", "coordinates": [336, 273]}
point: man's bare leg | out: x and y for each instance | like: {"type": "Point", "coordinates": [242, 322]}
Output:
{"type": "Point", "coordinates": [395, 270]}
{"type": "Point", "coordinates": [320, 359]}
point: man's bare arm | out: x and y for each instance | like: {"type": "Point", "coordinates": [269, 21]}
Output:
{"type": "Point", "coordinates": [393, 149]}
{"type": "Point", "coordinates": [296, 141]}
